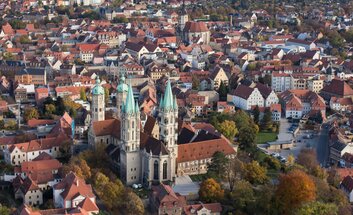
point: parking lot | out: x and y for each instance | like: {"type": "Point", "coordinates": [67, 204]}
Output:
{"type": "Point", "coordinates": [301, 139]}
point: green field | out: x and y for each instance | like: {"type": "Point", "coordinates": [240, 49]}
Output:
{"type": "Point", "coordinates": [263, 137]}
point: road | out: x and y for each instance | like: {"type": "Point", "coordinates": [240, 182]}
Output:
{"type": "Point", "coordinates": [322, 148]}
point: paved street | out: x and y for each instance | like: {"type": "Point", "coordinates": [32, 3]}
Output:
{"type": "Point", "coordinates": [322, 149]}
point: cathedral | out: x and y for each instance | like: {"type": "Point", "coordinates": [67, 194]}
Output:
{"type": "Point", "coordinates": [146, 149]}
{"type": "Point", "coordinates": [142, 158]}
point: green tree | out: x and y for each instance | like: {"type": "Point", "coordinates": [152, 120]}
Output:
{"type": "Point", "coordinates": [254, 173]}
{"type": "Point", "coordinates": [8, 56]}
{"type": "Point", "coordinates": [317, 208]}
{"type": "Point", "coordinates": [65, 150]}
{"type": "Point", "coordinates": [211, 191]}
{"type": "Point", "coordinates": [120, 20]}
{"type": "Point", "coordinates": [106, 95]}
{"type": "Point", "coordinates": [247, 136]}
{"type": "Point", "coordinates": [49, 109]}
{"type": "Point", "coordinates": [60, 106]}
{"type": "Point", "coordinates": [272, 163]}
{"type": "Point", "coordinates": [222, 91]}
{"type": "Point", "coordinates": [228, 129]}
{"type": "Point", "coordinates": [256, 114]}
{"type": "Point", "coordinates": [11, 125]}
{"type": "Point", "coordinates": [266, 122]}
{"type": "Point", "coordinates": [217, 167]}
{"type": "Point", "coordinates": [31, 113]}
{"type": "Point", "coordinates": [4, 210]}
{"type": "Point", "coordinates": [243, 195]}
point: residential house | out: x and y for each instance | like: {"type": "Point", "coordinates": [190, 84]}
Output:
{"type": "Point", "coordinates": [347, 187]}
{"type": "Point", "coordinates": [164, 200]}
{"type": "Point", "coordinates": [72, 191]}
{"type": "Point", "coordinates": [297, 103]}
{"type": "Point", "coordinates": [196, 209]}
{"type": "Point", "coordinates": [28, 191]}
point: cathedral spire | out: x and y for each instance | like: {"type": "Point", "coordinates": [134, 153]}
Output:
{"type": "Point", "coordinates": [130, 102]}
{"type": "Point", "coordinates": [175, 105]}
{"type": "Point", "coordinates": [168, 97]}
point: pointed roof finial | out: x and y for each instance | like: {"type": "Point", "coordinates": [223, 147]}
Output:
{"type": "Point", "coordinates": [168, 97]}
{"type": "Point", "coordinates": [130, 102]}
{"type": "Point", "coordinates": [161, 102]}
{"type": "Point", "coordinates": [175, 104]}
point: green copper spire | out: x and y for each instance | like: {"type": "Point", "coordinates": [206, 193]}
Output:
{"type": "Point", "coordinates": [137, 108]}
{"type": "Point", "coordinates": [175, 105]}
{"type": "Point", "coordinates": [130, 102]}
{"type": "Point", "coordinates": [168, 97]}
{"type": "Point", "coordinates": [161, 102]}
{"type": "Point", "coordinates": [98, 89]}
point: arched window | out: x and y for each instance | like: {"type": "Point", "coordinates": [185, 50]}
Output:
{"type": "Point", "coordinates": [155, 170]}
{"type": "Point", "coordinates": [165, 167]}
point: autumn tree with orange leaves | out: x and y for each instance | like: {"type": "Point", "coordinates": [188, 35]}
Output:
{"type": "Point", "coordinates": [211, 191]}
{"type": "Point", "coordinates": [294, 189]}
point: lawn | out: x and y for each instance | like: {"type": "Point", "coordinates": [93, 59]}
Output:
{"type": "Point", "coordinates": [198, 178]}
{"type": "Point", "coordinates": [264, 137]}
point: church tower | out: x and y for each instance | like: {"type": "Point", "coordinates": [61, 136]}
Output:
{"type": "Point", "coordinates": [168, 113]}
{"type": "Point", "coordinates": [98, 102]}
{"type": "Point", "coordinates": [183, 17]}
{"type": "Point", "coordinates": [122, 90]}
{"type": "Point", "coordinates": [130, 160]}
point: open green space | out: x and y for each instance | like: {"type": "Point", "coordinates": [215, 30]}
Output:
{"type": "Point", "coordinates": [264, 137]}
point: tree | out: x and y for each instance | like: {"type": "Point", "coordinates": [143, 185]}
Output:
{"type": "Point", "coordinates": [222, 91]}
{"type": "Point", "coordinates": [11, 125]}
{"type": "Point", "coordinates": [60, 106]}
{"type": "Point", "coordinates": [243, 194]}
{"type": "Point", "coordinates": [49, 109]}
{"type": "Point", "coordinates": [195, 82]}
{"type": "Point", "coordinates": [307, 158]}
{"type": "Point", "coordinates": [294, 189]}
{"type": "Point", "coordinates": [233, 171]}
{"type": "Point", "coordinates": [247, 136]}
{"type": "Point", "coordinates": [120, 20]}
{"type": "Point", "coordinates": [217, 166]}
{"type": "Point", "coordinates": [65, 150]}
{"type": "Point", "coordinates": [256, 114]}
{"type": "Point", "coordinates": [266, 122]}
{"type": "Point", "coordinates": [211, 191]}
{"type": "Point", "coordinates": [83, 95]}
{"type": "Point", "coordinates": [79, 167]}
{"type": "Point", "coordinates": [318, 208]}
{"type": "Point", "coordinates": [110, 192]}
{"type": "Point", "coordinates": [228, 129]}
{"type": "Point", "coordinates": [106, 95]}
{"type": "Point", "coordinates": [254, 173]}
{"type": "Point", "coordinates": [132, 203]}
{"type": "Point", "coordinates": [272, 163]}
{"type": "Point", "coordinates": [2, 124]}
{"type": "Point", "coordinates": [24, 39]}
{"type": "Point", "coordinates": [31, 113]}
{"type": "Point", "coordinates": [4, 210]}
{"type": "Point", "coordinates": [116, 3]}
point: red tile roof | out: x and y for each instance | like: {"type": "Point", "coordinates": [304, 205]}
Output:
{"type": "Point", "coordinates": [203, 150]}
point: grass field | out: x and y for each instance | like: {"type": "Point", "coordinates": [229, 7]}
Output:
{"type": "Point", "coordinates": [263, 137]}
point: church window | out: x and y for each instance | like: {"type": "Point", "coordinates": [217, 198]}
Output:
{"type": "Point", "coordinates": [155, 170]}
{"type": "Point", "coordinates": [166, 120]}
{"type": "Point", "coordinates": [165, 167]}
{"type": "Point", "coordinates": [133, 124]}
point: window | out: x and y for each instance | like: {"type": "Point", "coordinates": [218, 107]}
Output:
{"type": "Point", "coordinates": [165, 168]}
{"type": "Point", "coordinates": [155, 170]}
